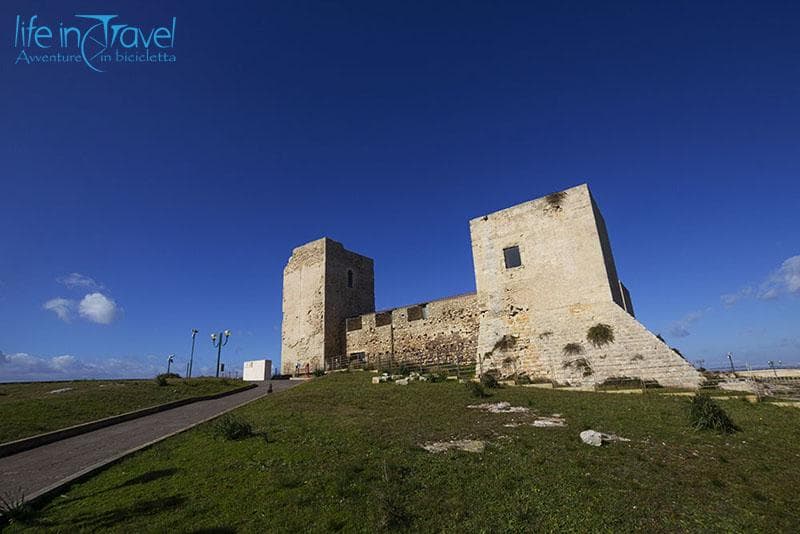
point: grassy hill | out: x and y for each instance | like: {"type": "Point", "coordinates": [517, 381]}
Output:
{"type": "Point", "coordinates": [32, 408]}
{"type": "Point", "coordinates": [340, 453]}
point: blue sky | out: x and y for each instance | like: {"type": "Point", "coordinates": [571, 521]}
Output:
{"type": "Point", "coordinates": [154, 198]}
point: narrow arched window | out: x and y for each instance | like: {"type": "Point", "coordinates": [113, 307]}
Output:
{"type": "Point", "coordinates": [349, 278]}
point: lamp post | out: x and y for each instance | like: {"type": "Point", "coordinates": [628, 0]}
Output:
{"type": "Point", "coordinates": [730, 359]}
{"type": "Point", "coordinates": [191, 356]}
{"type": "Point", "coordinates": [170, 359]}
{"type": "Point", "coordinates": [219, 342]}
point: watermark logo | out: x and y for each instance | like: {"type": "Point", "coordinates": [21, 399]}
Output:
{"type": "Point", "coordinates": [96, 41]}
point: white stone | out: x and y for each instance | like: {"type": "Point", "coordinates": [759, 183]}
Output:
{"type": "Point", "coordinates": [402, 382]}
{"type": "Point", "coordinates": [468, 445]}
{"type": "Point", "coordinates": [549, 422]}
{"type": "Point", "coordinates": [376, 380]}
{"type": "Point", "coordinates": [592, 437]}
{"type": "Point", "coordinates": [596, 439]}
{"type": "Point", "coordinates": [499, 407]}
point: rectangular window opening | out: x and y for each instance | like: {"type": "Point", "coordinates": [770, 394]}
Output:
{"type": "Point", "coordinates": [353, 323]}
{"type": "Point", "coordinates": [349, 278]}
{"type": "Point", "coordinates": [415, 313]}
{"type": "Point", "coordinates": [512, 257]}
{"type": "Point", "coordinates": [383, 319]}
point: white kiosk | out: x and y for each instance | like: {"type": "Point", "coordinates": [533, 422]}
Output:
{"type": "Point", "coordinates": [257, 371]}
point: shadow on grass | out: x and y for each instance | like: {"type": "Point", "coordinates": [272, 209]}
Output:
{"type": "Point", "coordinates": [112, 518]}
{"type": "Point", "coordinates": [146, 477]}
{"type": "Point", "coordinates": [215, 530]}
{"type": "Point", "coordinates": [150, 476]}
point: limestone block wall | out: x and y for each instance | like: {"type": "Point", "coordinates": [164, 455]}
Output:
{"type": "Point", "coordinates": [563, 261]}
{"type": "Point", "coordinates": [446, 332]}
{"type": "Point", "coordinates": [567, 282]}
{"type": "Point", "coordinates": [302, 331]}
{"type": "Point", "coordinates": [349, 291]}
{"type": "Point", "coordinates": [635, 352]}
{"type": "Point", "coordinates": [323, 283]}
{"type": "Point", "coordinates": [544, 273]}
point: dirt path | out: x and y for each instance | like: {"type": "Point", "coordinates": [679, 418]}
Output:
{"type": "Point", "coordinates": [37, 471]}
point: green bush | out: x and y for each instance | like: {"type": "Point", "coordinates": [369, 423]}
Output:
{"type": "Point", "coordinates": [476, 389]}
{"type": "Point", "coordinates": [231, 427]}
{"type": "Point", "coordinates": [600, 334]}
{"type": "Point", "coordinates": [488, 380]}
{"type": "Point", "coordinates": [161, 380]}
{"type": "Point", "coordinates": [440, 376]}
{"type": "Point", "coordinates": [318, 372]}
{"type": "Point", "coordinates": [628, 382]}
{"type": "Point", "coordinates": [522, 380]}
{"type": "Point", "coordinates": [581, 364]}
{"type": "Point", "coordinates": [706, 414]}
{"type": "Point", "coordinates": [573, 349]}
{"type": "Point", "coordinates": [14, 508]}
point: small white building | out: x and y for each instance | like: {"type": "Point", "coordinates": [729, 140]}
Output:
{"type": "Point", "coordinates": [257, 370]}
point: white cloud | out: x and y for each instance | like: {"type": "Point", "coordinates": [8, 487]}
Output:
{"type": "Point", "coordinates": [22, 366]}
{"type": "Point", "coordinates": [95, 307]}
{"type": "Point", "coordinates": [61, 307]}
{"type": "Point", "coordinates": [98, 308]}
{"type": "Point", "coordinates": [785, 280]}
{"type": "Point", "coordinates": [680, 328]}
{"type": "Point", "coordinates": [729, 299]}
{"type": "Point", "coordinates": [62, 362]}
{"type": "Point", "coordinates": [79, 281]}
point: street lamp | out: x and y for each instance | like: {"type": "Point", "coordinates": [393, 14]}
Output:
{"type": "Point", "coordinates": [730, 359]}
{"type": "Point", "coordinates": [218, 342]}
{"type": "Point", "coordinates": [170, 359]}
{"type": "Point", "coordinates": [191, 356]}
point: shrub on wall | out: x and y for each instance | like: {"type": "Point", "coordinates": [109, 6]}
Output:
{"type": "Point", "coordinates": [600, 334]}
{"type": "Point", "coordinates": [554, 200]}
{"type": "Point", "coordinates": [581, 364]}
{"type": "Point", "coordinates": [573, 349]}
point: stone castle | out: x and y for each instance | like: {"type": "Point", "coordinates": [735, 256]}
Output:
{"type": "Point", "coordinates": [549, 305]}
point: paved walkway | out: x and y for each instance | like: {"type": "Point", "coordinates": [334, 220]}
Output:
{"type": "Point", "coordinates": [35, 471]}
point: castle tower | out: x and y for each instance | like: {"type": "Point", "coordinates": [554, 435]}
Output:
{"type": "Point", "coordinates": [323, 284]}
{"type": "Point", "coordinates": [545, 275]}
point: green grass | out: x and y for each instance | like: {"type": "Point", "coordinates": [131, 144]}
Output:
{"type": "Point", "coordinates": [29, 408]}
{"type": "Point", "coordinates": [343, 454]}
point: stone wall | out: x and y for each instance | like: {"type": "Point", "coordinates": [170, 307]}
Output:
{"type": "Point", "coordinates": [545, 274]}
{"type": "Point", "coordinates": [302, 331]}
{"type": "Point", "coordinates": [316, 299]}
{"type": "Point", "coordinates": [635, 352]}
{"type": "Point", "coordinates": [567, 282]}
{"type": "Point", "coordinates": [445, 332]}
{"type": "Point", "coordinates": [345, 269]}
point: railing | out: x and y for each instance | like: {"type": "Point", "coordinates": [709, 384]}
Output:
{"type": "Point", "coordinates": [458, 367]}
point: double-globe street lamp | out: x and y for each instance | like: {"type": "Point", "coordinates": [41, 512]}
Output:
{"type": "Point", "coordinates": [218, 342]}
